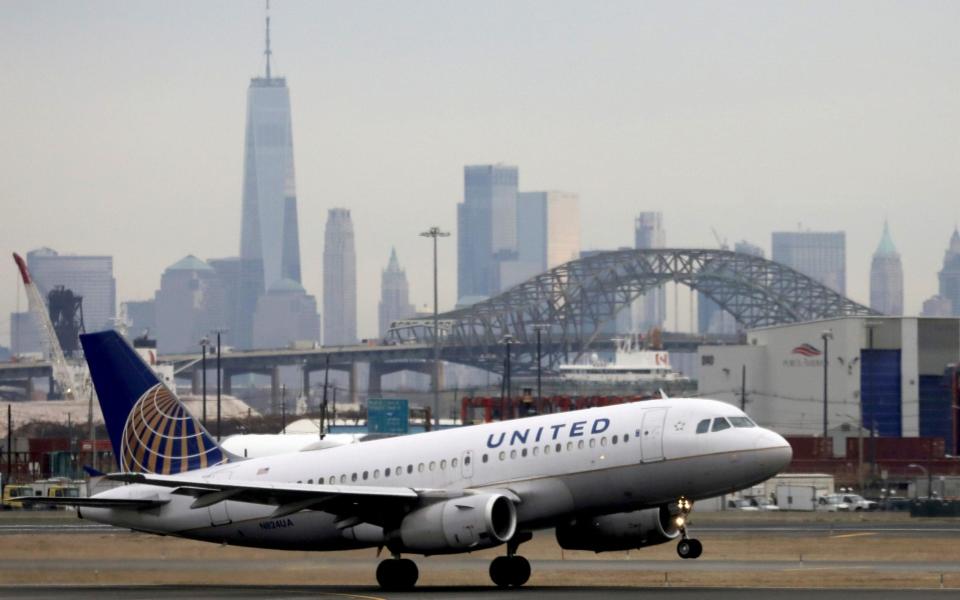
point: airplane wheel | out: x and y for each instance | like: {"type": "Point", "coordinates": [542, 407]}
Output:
{"type": "Point", "coordinates": [509, 571]}
{"type": "Point", "coordinates": [684, 549]}
{"type": "Point", "coordinates": [696, 549]}
{"type": "Point", "coordinates": [519, 570]}
{"type": "Point", "coordinates": [500, 571]}
{"type": "Point", "coordinates": [397, 574]}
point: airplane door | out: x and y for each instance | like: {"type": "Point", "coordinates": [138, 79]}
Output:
{"type": "Point", "coordinates": [651, 434]}
{"type": "Point", "coordinates": [467, 460]}
{"type": "Point", "coordinates": [218, 511]}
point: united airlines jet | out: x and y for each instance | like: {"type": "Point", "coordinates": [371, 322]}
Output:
{"type": "Point", "coordinates": [610, 478]}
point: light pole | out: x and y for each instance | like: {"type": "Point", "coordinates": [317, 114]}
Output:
{"type": "Point", "coordinates": [434, 232]}
{"type": "Point", "coordinates": [827, 335]}
{"type": "Point", "coordinates": [505, 388]}
{"type": "Point", "coordinates": [929, 479]}
{"type": "Point", "coordinates": [540, 328]}
{"type": "Point", "coordinates": [203, 373]}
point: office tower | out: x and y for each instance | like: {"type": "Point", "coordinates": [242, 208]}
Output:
{"type": "Point", "coordinates": [950, 273]}
{"type": "Point", "coordinates": [25, 336]}
{"type": "Point", "coordinates": [886, 277]}
{"type": "Point", "coordinates": [242, 282]}
{"type": "Point", "coordinates": [820, 255]}
{"type": "Point", "coordinates": [486, 228]}
{"type": "Point", "coordinates": [88, 276]}
{"type": "Point", "coordinates": [937, 306]}
{"type": "Point", "coordinates": [548, 226]}
{"type": "Point", "coordinates": [745, 247]}
{"type": "Point", "coordinates": [285, 315]}
{"type": "Point", "coordinates": [189, 305]}
{"type": "Point", "coordinates": [710, 317]}
{"type": "Point", "coordinates": [650, 310]}
{"type": "Point", "coordinates": [339, 280]}
{"type": "Point", "coordinates": [394, 295]}
{"type": "Point", "coordinates": [140, 318]}
{"type": "Point", "coordinates": [269, 237]}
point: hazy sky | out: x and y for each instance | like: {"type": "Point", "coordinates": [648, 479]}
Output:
{"type": "Point", "coordinates": [122, 125]}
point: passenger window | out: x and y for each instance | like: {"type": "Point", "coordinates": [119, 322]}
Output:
{"type": "Point", "coordinates": [455, 462]}
{"type": "Point", "coordinates": [603, 441]}
{"type": "Point", "coordinates": [433, 465]}
{"type": "Point", "coordinates": [536, 450]}
{"type": "Point", "coordinates": [741, 422]}
{"type": "Point", "coordinates": [546, 449]}
{"type": "Point", "coordinates": [443, 464]}
{"type": "Point", "coordinates": [420, 468]}
{"type": "Point", "coordinates": [593, 442]}
{"type": "Point", "coordinates": [503, 455]}
{"type": "Point", "coordinates": [570, 446]}
{"type": "Point", "coordinates": [559, 447]}
{"type": "Point", "coordinates": [523, 453]}
{"type": "Point", "coordinates": [466, 459]}
{"type": "Point", "coordinates": [353, 477]}
{"type": "Point", "coordinates": [703, 426]}
{"type": "Point", "coordinates": [320, 481]}
{"type": "Point", "coordinates": [343, 478]}
{"type": "Point", "coordinates": [365, 475]}
{"type": "Point", "coordinates": [386, 472]}
{"type": "Point", "coordinates": [719, 424]}
{"type": "Point", "coordinates": [376, 474]}
{"type": "Point", "coordinates": [310, 481]}
{"type": "Point", "coordinates": [513, 454]}
{"type": "Point", "coordinates": [614, 439]}
{"type": "Point", "coordinates": [484, 460]}
{"type": "Point", "coordinates": [580, 445]}
{"type": "Point", "coordinates": [409, 469]}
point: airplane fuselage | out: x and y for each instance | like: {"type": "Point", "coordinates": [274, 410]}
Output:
{"type": "Point", "coordinates": [557, 466]}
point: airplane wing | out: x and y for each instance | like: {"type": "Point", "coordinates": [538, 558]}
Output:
{"type": "Point", "coordinates": [129, 503]}
{"type": "Point", "coordinates": [353, 503]}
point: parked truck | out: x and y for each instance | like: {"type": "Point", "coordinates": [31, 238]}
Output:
{"type": "Point", "coordinates": [796, 497]}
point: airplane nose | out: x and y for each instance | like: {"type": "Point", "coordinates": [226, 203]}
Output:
{"type": "Point", "coordinates": [779, 453]}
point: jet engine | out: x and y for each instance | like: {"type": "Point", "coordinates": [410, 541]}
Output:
{"type": "Point", "coordinates": [619, 531]}
{"type": "Point", "coordinates": [478, 521]}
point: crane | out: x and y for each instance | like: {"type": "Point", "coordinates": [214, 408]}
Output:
{"type": "Point", "coordinates": [58, 362]}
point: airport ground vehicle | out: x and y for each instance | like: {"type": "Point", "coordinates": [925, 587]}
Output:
{"type": "Point", "coordinates": [796, 497]}
{"type": "Point", "coordinates": [12, 493]}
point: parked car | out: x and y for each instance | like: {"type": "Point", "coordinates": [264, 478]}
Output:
{"type": "Point", "coordinates": [741, 504]}
{"type": "Point", "coordinates": [858, 502]}
{"type": "Point", "coordinates": [832, 503]}
{"type": "Point", "coordinates": [762, 503]}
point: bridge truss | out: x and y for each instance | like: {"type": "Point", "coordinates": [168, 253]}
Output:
{"type": "Point", "coordinates": [572, 301]}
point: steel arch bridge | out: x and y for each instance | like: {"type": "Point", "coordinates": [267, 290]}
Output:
{"type": "Point", "coordinates": [571, 302]}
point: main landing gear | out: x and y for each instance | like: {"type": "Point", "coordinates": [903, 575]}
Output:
{"type": "Point", "coordinates": [511, 570]}
{"type": "Point", "coordinates": [397, 573]}
{"type": "Point", "coordinates": [687, 547]}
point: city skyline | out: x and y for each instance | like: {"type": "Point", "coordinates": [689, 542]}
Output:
{"type": "Point", "coordinates": [106, 171]}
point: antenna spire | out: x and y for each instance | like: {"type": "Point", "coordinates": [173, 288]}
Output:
{"type": "Point", "coordinates": [267, 51]}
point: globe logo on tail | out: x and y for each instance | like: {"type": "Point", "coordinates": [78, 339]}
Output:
{"type": "Point", "coordinates": [161, 437]}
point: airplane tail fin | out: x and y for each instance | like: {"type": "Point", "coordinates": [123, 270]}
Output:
{"type": "Point", "coordinates": [150, 430]}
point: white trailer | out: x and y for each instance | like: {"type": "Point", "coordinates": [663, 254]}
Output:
{"type": "Point", "coordinates": [796, 497]}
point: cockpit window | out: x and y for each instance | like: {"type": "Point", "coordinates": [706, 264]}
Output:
{"type": "Point", "coordinates": [719, 424]}
{"type": "Point", "coordinates": [741, 422]}
{"type": "Point", "coordinates": [703, 426]}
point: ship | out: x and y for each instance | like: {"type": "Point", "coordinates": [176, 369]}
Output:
{"type": "Point", "coordinates": [632, 364]}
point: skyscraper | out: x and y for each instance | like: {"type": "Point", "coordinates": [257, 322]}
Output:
{"type": "Point", "coordinates": [886, 277]}
{"type": "Point", "coordinates": [651, 308]}
{"type": "Point", "coordinates": [950, 273]}
{"type": "Point", "coordinates": [88, 276]}
{"type": "Point", "coordinates": [394, 294]}
{"type": "Point", "coordinates": [710, 317]}
{"type": "Point", "coordinates": [818, 254]}
{"type": "Point", "coordinates": [548, 225]}
{"type": "Point", "coordinates": [339, 280]}
{"type": "Point", "coordinates": [188, 305]}
{"type": "Point", "coordinates": [486, 228]}
{"type": "Point", "coordinates": [269, 230]}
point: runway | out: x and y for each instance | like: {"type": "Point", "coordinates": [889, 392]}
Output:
{"type": "Point", "coordinates": [439, 592]}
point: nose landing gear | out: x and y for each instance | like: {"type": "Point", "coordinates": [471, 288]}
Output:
{"type": "Point", "coordinates": [511, 570]}
{"type": "Point", "coordinates": [687, 547]}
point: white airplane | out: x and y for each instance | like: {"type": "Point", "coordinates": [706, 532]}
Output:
{"type": "Point", "coordinates": [608, 478]}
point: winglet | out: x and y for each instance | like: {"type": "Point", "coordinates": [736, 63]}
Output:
{"type": "Point", "coordinates": [24, 273]}
{"type": "Point", "coordinates": [663, 395]}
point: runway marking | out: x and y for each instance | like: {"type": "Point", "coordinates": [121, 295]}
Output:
{"type": "Point", "coordinates": [356, 596]}
{"type": "Point", "coordinates": [850, 535]}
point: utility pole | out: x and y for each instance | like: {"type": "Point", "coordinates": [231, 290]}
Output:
{"type": "Point", "coordinates": [435, 232]}
{"type": "Point", "coordinates": [323, 407]}
{"type": "Point", "coordinates": [743, 388]}
{"type": "Point", "coordinates": [203, 374]}
{"type": "Point", "coordinates": [827, 335]}
{"type": "Point", "coordinates": [219, 376]}
{"type": "Point", "coordinates": [9, 444]}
